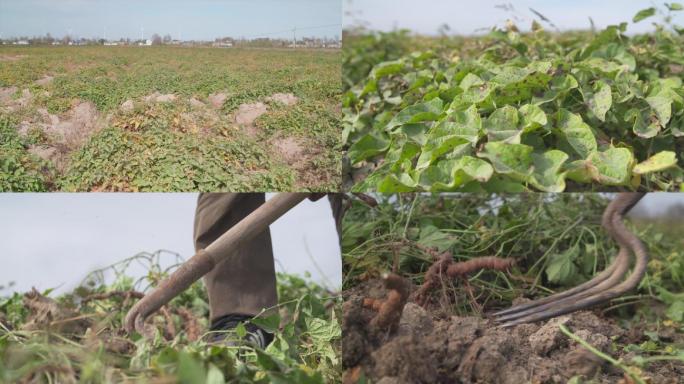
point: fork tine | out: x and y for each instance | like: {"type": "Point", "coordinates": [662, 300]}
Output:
{"type": "Point", "coordinates": [605, 286]}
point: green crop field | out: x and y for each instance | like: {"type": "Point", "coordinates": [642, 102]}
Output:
{"type": "Point", "coordinates": [168, 118]}
{"type": "Point", "coordinates": [513, 111]}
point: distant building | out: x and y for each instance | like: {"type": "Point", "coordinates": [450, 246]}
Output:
{"type": "Point", "coordinates": [222, 44]}
{"type": "Point", "coordinates": [56, 43]}
{"type": "Point", "coordinates": [111, 43]}
{"type": "Point", "coordinates": [22, 42]}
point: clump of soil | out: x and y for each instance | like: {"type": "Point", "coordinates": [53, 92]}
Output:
{"type": "Point", "coordinates": [12, 57]}
{"type": "Point", "coordinates": [216, 100]}
{"type": "Point", "coordinates": [426, 348]}
{"type": "Point", "coordinates": [287, 99]}
{"type": "Point", "coordinates": [248, 113]}
{"type": "Point", "coordinates": [160, 98]}
{"type": "Point", "coordinates": [12, 103]}
{"type": "Point", "coordinates": [45, 80]}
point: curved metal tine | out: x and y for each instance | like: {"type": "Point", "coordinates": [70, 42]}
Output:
{"type": "Point", "coordinates": [622, 266]}
{"type": "Point", "coordinates": [605, 274]}
{"type": "Point", "coordinates": [641, 255]}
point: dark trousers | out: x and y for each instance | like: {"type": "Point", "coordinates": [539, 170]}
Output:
{"type": "Point", "coordinates": [246, 282]}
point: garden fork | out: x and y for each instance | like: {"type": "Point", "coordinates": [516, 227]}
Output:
{"type": "Point", "coordinates": [606, 286]}
{"type": "Point", "coordinates": [205, 259]}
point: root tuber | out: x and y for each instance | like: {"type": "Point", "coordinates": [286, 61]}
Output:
{"type": "Point", "coordinates": [389, 309]}
{"type": "Point", "coordinates": [445, 266]}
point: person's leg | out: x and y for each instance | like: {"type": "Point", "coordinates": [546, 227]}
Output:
{"type": "Point", "coordinates": [246, 282]}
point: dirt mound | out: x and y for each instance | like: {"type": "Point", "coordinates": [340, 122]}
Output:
{"type": "Point", "coordinates": [160, 98]}
{"type": "Point", "coordinates": [127, 106]}
{"type": "Point", "coordinates": [289, 148]}
{"type": "Point", "coordinates": [12, 57]}
{"type": "Point", "coordinates": [248, 113]}
{"type": "Point", "coordinates": [284, 98]}
{"type": "Point", "coordinates": [79, 124]}
{"type": "Point", "coordinates": [453, 349]}
{"type": "Point", "coordinates": [45, 80]}
{"type": "Point", "coordinates": [8, 100]}
{"type": "Point", "coordinates": [216, 100]}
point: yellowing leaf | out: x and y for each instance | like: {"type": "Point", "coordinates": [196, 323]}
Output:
{"type": "Point", "coordinates": [658, 162]}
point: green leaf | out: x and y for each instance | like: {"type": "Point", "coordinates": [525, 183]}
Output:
{"type": "Point", "coordinates": [612, 166]}
{"type": "Point", "coordinates": [547, 176]}
{"type": "Point", "coordinates": [662, 105]}
{"type": "Point", "coordinates": [675, 311]}
{"type": "Point", "coordinates": [215, 376]}
{"type": "Point", "coordinates": [502, 125]}
{"type": "Point", "coordinates": [533, 117]}
{"type": "Point", "coordinates": [267, 323]}
{"type": "Point", "coordinates": [470, 80]}
{"type": "Point", "coordinates": [368, 146]}
{"type": "Point", "coordinates": [427, 111]}
{"type": "Point", "coordinates": [451, 174]}
{"type": "Point", "coordinates": [511, 159]}
{"type": "Point", "coordinates": [451, 136]}
{"type": "Point", "coordinates": [387, 68]}
{"type": "Point", "coordinates": [674, 6]}
{"type": "Point", "coordinates": [601, 100]}
{"type": "Point", "coordinates": [322, 330]}
{"type": "Point", "coordinates": [643, 14]}
{"type": "Point", "coordinates": [577, 133]}
{"type": "Point", "coordinates": [658, 162]}
{"type": "Point", "coordinates": [561, 268]}
{"type": "Point", "coordinates": [190, 371]}
{"type": "Point", "coordinates": [643, 126]}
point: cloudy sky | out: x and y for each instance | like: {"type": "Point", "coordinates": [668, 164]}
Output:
{"type": "Point", "coordinates": [190, 19]}
{"type": "Point", "coordinates": [467, 17]}
{"type": "Point", "coordinates": [54, 239]}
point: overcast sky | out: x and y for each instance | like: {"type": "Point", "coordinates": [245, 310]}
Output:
{"type": "Point", "coordinates": [190, 19]}
{"type": "Point", "coordinates": [54, 239]}
{"type": "Point", "coordinates": [466, 16]}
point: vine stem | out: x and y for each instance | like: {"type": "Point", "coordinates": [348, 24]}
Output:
{"type": "Point", "coordinates": [627, 369]}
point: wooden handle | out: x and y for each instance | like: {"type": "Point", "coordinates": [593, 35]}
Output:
{"type": "Point", "coordinates": [205, 260]}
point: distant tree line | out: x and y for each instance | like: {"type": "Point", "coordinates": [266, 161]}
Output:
{"type": "Point", "coordinates": [156, 39]}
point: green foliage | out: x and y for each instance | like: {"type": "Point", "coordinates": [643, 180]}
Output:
{"type": "Point", "coordinates": [159, 159]}
{"type": "Point", "coordinates": [305, 350]}
{"type": "Point", "coordinates": [20, 170]}
{"type": "Point", "coordinates": [548, 112]}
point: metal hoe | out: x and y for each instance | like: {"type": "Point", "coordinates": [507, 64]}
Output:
{"type": "Point", "coordinates": [205, 259]}
{"type": "Point", "coordinates": [605, 286]}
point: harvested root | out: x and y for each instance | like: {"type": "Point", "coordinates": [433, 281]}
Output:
{"type": "Point", "coordinates": [492, 263]}
{"type": "Point", "coordinates": [445, 266]}
{"type": "Point", "coordinates": [190, 324]}
{"type": "Point", "coordinates": [390, 309]}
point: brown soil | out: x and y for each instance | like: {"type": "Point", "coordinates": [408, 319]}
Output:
{"type": "Point", "coordinates": [45, 80]}
{"type": "Point", "coordinates": [12, 57]}
{"type": "Point", "coordinates": [159, 98]}
{"type": "Point", "coordinates": [284, 98]}
{"type": "Point", "coordinates": [431, 348]}
{"type": "Point", "coordinates": [12, 104]}
{"type": "Point", "coordinates": [216, 100]}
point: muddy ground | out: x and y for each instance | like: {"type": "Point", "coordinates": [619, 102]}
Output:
{"type": "Point", "coordinates": [431, 346]}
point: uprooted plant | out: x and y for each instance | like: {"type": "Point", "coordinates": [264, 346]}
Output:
{"type": "Point", "coordinates": [79, 336]}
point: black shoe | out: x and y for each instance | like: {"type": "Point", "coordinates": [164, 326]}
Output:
{"type": "Point", "coordinates": [224, 325]}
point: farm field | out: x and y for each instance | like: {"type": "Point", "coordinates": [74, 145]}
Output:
{"type": "Point", "coordinates": [100, 118]}
{"type": "Point", "coordinates": [515, 111]}
{"type": "Point", "coordinates": [78, 337]}
{"type": "Point", "coordinates": [406, 322]}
